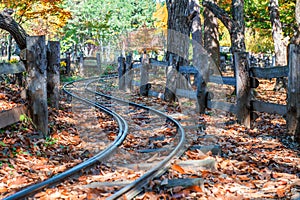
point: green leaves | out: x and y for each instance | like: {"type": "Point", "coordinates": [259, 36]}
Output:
{"type": "Point", "coordinates": [94, 21]}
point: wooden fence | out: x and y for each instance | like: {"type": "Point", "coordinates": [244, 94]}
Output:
{"type": "Point", "coordinates": [86, 66]}
{"type": "Point", "coordinates": [245, 107]}
{"type": "Point", "coordinates": [8, 117]}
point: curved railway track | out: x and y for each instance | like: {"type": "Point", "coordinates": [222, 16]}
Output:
{"type": "Point", "coordinates": [146, 142]}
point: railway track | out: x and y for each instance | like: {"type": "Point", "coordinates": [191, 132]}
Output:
{"type": "Point", "coordinates": [143, 147]}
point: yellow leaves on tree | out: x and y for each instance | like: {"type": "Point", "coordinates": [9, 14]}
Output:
{"type": "Point", "coordinates": [39, 17]}
{"type": "Point", "coordinates": [161, 16]}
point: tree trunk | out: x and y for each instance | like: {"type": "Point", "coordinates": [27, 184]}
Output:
{"type": "Point", "coordinates": [296, 38]}
{"type": "Point", "coordinates": [235, 25]}
{"type": "Point", "coordinates": [280, 48]}
{"type": "Point", "coordinates": [53, 81]}
{"type": "Point", "coordinates": [178, 30]}
{"type": "Point", "coordinates": [196, 30]}
{"type": "Point", "coordinates": [177, 41]}
{"type": "Point", "coordinates": [211, 36]}
{"type": "Point", "coordinates": [238, 31]}
{"type": "Point", "coordinates": [36, 65]}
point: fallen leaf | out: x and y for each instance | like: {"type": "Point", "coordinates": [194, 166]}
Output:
{"type": "Point", "coordinates": [280, 193]}
{"type": "Point", "coordinates": [178, 168]}
{"type": "Point", "coordinates": [195, 188]}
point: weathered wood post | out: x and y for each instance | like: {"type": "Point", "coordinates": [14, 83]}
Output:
{"type": "Point", "coordinates": [171, 83]}
{"type": "Point", "coordinates": [68, 63]}
{"type": "Point", "coordinates": [293, 100]}
{"type": "Point", "coordinates": [121, 72]}
{"type": "Point", "coordinates": [202, 77]}
{"type": "Point", "coordinates": [243, 89]}
{"type": "Point", "coordinates": [129, 73]}
{"type": "Point", "coordinates": [145, 86]}
{"type": "Point", "coordinates": [98, 60]}
{"type": "Point", "coordinates": [53, 79]}
{"type": "Point", "coordinates": [81, 64]}
{"type": "Point", "coordinates": [36, 82]}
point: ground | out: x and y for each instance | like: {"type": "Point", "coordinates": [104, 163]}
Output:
{"type": "Point", "coordinates": [257, 163]}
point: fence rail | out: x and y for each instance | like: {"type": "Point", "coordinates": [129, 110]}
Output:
{"type": "Point", "coordinates": [12, 68]}
{"type": "Point", "coordinates": [253, 74]}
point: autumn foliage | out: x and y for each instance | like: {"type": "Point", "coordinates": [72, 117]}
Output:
{"type": "Point", "coordinates": [39, 17]}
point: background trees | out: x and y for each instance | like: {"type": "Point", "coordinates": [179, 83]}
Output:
{"type": "Point", "coordinates": [101, 21]}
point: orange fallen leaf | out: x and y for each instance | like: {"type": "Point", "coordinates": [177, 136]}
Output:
{"type": "Point", "coordinates": [178, 168]}
{"type": "Point", "coordinates": [195, 188]}
{"type": "Point", "coordinates": [280, 193]}
{"type": "Point", "coordinates": [243, 177]}
{"type": "Point", "coordinates": [3, 189]}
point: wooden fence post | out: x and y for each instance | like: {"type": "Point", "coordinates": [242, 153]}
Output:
{"type": "Point", "coordinates": [81, 64]}
{"type": "Point", "coordinates": [121, 72]}
{"type": "Point", "coordinates": [243, 89]}
{"type": "Point", "coordinates": [68, 63]}
{"type": "Point", "coordinates": [53, 79]}
{"type": "Point", "coordinates": [202, 77]}
{"type": "Point", "coordinates": [129, 72]}
{"type": "Point", "coordinates": [171, 83]}
{"type": "Point", "coordinates": [98, 59]}
{"type": "Point", "coordinates": [144, 86]}
{"type": "Point", "coordinates": [36, 80]}
{"type": "Point", "coordinates": [293, 101]}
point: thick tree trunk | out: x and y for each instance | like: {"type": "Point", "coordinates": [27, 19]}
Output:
{"type": "Point", "coordinates": [196, 29]}
{"type": "Point", "coordinates": [211, 36]}
{"type": "Point", "coordinates": [238, 31]}
{"type": "Point", "coordinates": [296, 38]}
{"type": "Point", "coordinates": [178, 40]}
{"type": "Point", "coordinates": [36, 64]}
{"type": "Point", "coordinates": [178, 30]}
{"type": "Point", "coordinates": [279, 46]}
{"type": "Point", "coordinates": [53, 81]}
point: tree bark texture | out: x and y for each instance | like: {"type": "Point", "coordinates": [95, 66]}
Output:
{"type": "Point", "coordinates": [279, 46]}
{"type": "Point", "coordinates": [53, 81]}
{"type": "Point", "coordinates": [211, 36]}
{"type": "Point", "coordinates": [293, 103]}
{"type": "Point", "coordinates": [296, 38]}
{"type": "Point", "coordinates": [196, 30]}
{"type": "Point", "coordinates": [178, 30]}
{"type": "Point", "coordinates": [9, 24]}
{"type": "Point", "coordinates": [36, 80]}
{"type": "Point", "coordinates": [235, 25]}
{"type": "Point", "coordinates": [179, 20]}
{"type": "Point", "coordinates": [243, 89]}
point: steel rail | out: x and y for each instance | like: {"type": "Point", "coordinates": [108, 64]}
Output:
{"type": "Point", "coordinates": [123, 129]}
{"type": "Point", "coordinates": [134, 188]}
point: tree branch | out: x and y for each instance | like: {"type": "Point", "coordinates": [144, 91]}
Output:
{"type": "Point", "coordinates": [9, 24]}
{"type": "Point", "coordinates": [220, 14]}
